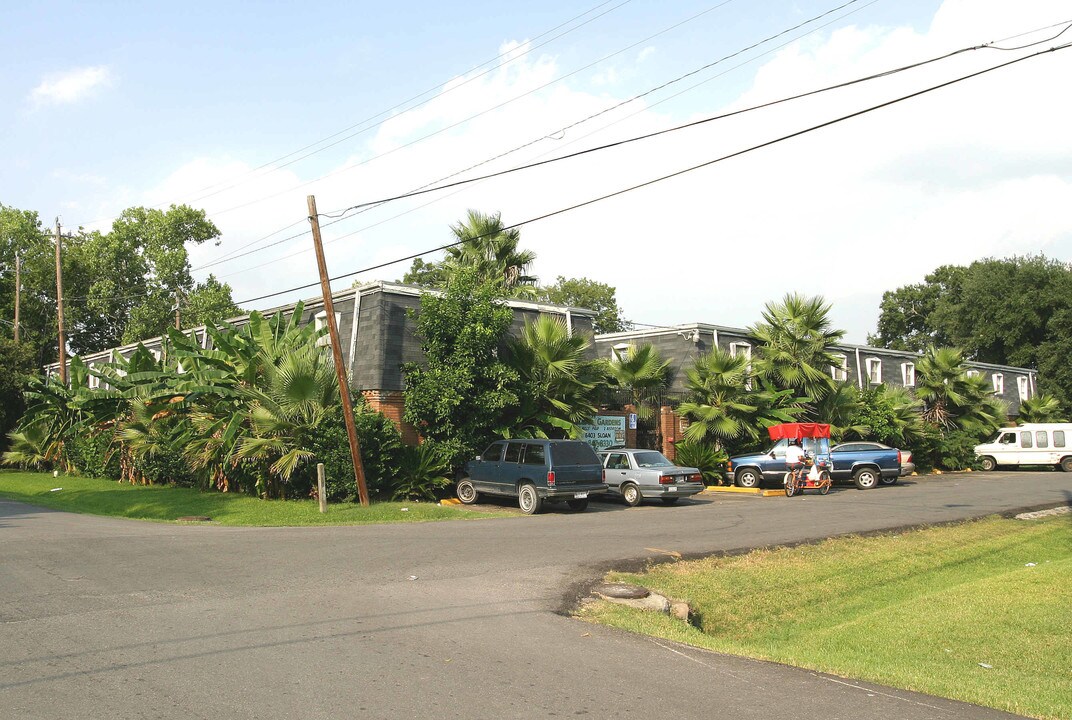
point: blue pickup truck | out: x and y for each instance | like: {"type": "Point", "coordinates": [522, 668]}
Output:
{"type": "Point", "coordinates": [865, 463]}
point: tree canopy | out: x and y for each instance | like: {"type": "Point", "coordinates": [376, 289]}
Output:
{"type": "Point", "coordinates": [590, 294]}
{"type": "Point", "coordinates": [1013, 311]}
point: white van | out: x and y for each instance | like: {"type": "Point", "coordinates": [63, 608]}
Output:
{"type": "Point", "coordinates": [1029, 444]}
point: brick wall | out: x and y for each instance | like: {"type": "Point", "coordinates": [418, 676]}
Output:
{"type": "Point", "coordinates": [393, 406]}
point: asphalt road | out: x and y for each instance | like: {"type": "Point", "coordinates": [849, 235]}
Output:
{"type": "Point", "coordinates": [106, 618]}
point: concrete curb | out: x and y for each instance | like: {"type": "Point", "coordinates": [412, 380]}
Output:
{"type": "Point", "coordinates": [758, 492]}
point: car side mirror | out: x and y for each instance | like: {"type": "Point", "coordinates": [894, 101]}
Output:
{"type": "Point", "coordinates": [771, 453]}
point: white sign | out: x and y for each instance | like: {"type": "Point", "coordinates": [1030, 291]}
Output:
{"type": "Point", "coordinates": [632, 421]}
{"type": "Point", "coordinates": [605, 431]}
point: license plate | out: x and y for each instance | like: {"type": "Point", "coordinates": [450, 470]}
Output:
{"type": "Point", "coordinates": [580, 496]}
{"type": "Point", "coordinates": [672, 489]}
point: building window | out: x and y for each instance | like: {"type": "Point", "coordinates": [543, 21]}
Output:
{"type": "Point", "coordinates": [908, 374]}
{"type": "Point", "coordinates": [874, 371]}
{"type": "Point", "coordinates": [93, 381]}
{"type": "Point", "coordinates": [320, 321]}
{"type": "Point", "coordinates": [971, 373]}
{"type": "Point", "coordinates": [744, 349]}
{"type": "Point", "coordinates": [840, 371]}
{"type": "Point", "coordinates": [999, 383]}
{"type": "Point", "coordinates": [1021, 386]}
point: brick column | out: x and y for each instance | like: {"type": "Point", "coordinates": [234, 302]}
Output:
{"type": "Point", "coordinates": [630, 433]}
{"type": "Point", "coordinates": [668, 430]}
{"type": "Point", "coordinates": [392, 405]}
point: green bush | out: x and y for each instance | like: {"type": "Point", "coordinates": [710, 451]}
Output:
{"type": "Point", "coordinates": [421, 472]}
{"type": "Point", "coordinates": [380, 441]}
{"type": "Point", "coordinates": [945, 449]}
{"type": "Point", "coordinates": [90, 454]}
{"type": "Point", "coordinates": [710, 461]}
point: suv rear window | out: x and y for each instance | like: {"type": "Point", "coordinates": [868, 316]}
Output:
{"type": "Point", "coordinates": [573, 453]}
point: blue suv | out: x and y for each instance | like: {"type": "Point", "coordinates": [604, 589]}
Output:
{"type": "Point", "coordinates": [534, 471]}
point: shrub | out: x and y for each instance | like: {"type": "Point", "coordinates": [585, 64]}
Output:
{"type": "Point", "coordinates": [380, 442]}
{"type": "Point", "coordinates": [422, 471]}
{"type": "Point", "coordinates": [709, 461]}
{"type": "Point", "coordinates": [92, 454]}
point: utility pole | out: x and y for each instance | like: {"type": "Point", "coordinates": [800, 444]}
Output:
{"type": "Point", "coordinates": [59, 305]}
{"type": "Point", "coordinates": [178, 308]}
{"type": "Point", "coordinates": [18, 291]}
{"type": "Point", "coordinates": [336, 351]}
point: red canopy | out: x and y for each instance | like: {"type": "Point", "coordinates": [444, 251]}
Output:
{"type": "Point", "coordinates": [798, 431]}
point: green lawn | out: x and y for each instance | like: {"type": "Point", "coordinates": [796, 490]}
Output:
{"type": "Point", "coordinates": [161, 503]}
{"type": "Point", "coordinates": [926, 610]}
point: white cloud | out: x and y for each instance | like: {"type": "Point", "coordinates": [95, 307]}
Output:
{"type": "Point", "coordinates": [981, 168]}
{"type": "Point", "coordinates": [71, 86]}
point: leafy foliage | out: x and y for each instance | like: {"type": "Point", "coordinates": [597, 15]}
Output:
{"type": "Point", "coordinates": [459, 395]}
{"type": "Point", "coordinates": [558, 385]}
{"type": "Point", "coordinates": [710, 461]}
{"type": "Point", "coordinates": [641, 371]}
{"type": "Point", "coordinates": [422, 471]}
{"type": "Point", "coordinates": [585, 293]}
{"type": "Point", "coordinates": [794, 340]}
{"type": "Point", "coordinates": [1041, 409]}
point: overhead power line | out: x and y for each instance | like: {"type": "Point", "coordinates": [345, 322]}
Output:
{"type": "Point", "coordinates": [339, 215]}
{"type": "Point", "coordinates": [233, 255]}
{"type": "Point", "coordinates": [678, 173]}
{"type": "Point", "coordinates": [513, 54]}
{"type": "Point", "coordinates": [476, 115]}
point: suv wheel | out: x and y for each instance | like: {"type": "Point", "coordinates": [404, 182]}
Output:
{"type": "Point", "coordinates": [466, 491]}
{"type": "Point", "coordinates": [528, 499]}
{"type": "Point", "coordinates": [749, 478]}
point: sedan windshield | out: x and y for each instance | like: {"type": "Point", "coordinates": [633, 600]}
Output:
{"type": "Point", "coordinates": [651, 459]}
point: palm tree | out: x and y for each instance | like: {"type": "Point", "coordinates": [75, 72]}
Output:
{"type": "Point", "coordinates": [1039, 409]}
{"type": "Point", "coordinates": [793, 344]}
{"type": "Point", "coordinates": [561, 383]}
{"type": "Point", "coordinates": [493, 252]}
{"type": "Point", "coordinates": [952, 397]}
{"type": "Point", "coordinates": [641, 371]}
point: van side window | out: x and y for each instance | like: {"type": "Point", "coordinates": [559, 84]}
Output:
{"type": "Point", "coordinates": [1041, 439]}
{"type": "Point", "coordinates": [513, 452]}
{"type": "Point", "coordinates": [534, 455]}
{"type": "Point", "coordinates": [1007, 439]}
{"type": "Point", "coordinates": [493, 453]}
{"type": "Point", "coordinates": [1059, 438]}
{"type": "Point", "coordinates": [1025, 439]}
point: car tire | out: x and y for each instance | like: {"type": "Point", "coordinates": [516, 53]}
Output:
{"type": "Point", "coordinates": [1066, 464]}
{"type": "Point", "coordinates": [578, 504]}
{"type": "Point", "coordinates": [528, 499]}
{"type": "Point", "coordinates": [866, 478]}
{"type": "Point", "coordinates": [631, 494]}
{"type": "Point", "coordinates": [988, 463]}
{"type": "Point", "coordinates": [670, 500]}
{"type": "Point", "coordinates": [749, 478]}
{"type": "Point", "coordinates": [466, 492]}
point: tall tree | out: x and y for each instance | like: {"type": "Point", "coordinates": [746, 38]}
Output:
{"type": "Point", "coordinates": [642, 372]}
{"type": "Point", "coordinates": [459, 395]}
{"type": "Point", "coordinates": [793, 345]}
{"type": "Point", "coordinates": [1014, 311]}
{"type": "Point", "coordinates": [590, 294]}
{"type": "Point", "coordinates": [488, 249]}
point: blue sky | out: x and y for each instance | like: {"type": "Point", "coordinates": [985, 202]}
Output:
{"type": "Point", "coordinates": [109, 105]}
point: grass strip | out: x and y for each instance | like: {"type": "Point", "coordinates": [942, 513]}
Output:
{"type": "Point", "coordinates": [979, 611]}
{"type": "Point", "coordinates": [164, 503]}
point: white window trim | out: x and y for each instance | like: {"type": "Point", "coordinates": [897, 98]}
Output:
{"type": "Point", "coordinates": [320, 322]}
{"type": "Point", "coordinates": [908, 374]}
{"type": "Point", "coordinates": [618, 352]}
{"type": "Point", "coordinates": [1022, 387]}
{"type": "Point", "coordinates": [745, 348]}
{"type": "Point", "coordinates": [971, 373]}
{"type": "Point", "coordinates": [874, 362]}
{"type": "Point", "coordinates": [93, 382]}
{"type": "Point", "coordinates": [998, 381]}
{"type": "Point", "coordinates": [840, 373]}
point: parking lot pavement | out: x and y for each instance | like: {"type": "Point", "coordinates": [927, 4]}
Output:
{"type": "Point", "coordinates": [102, 617]}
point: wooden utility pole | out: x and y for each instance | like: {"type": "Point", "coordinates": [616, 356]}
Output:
{"type": "Point", "coordinates": [18, 291]}
{"type": "Point", "coordinates": [336, 351]}
{"type": "Point", "coordinates": [178, 309]}
{"type": "Point", "coordinates": [59, 305]}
